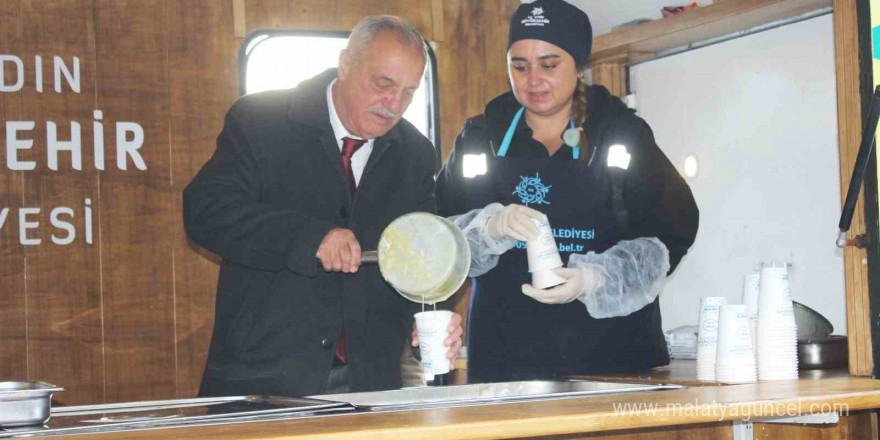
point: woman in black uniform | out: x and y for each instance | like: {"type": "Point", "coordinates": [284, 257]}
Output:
{"type": "Point", "coordinates": [557, 149]}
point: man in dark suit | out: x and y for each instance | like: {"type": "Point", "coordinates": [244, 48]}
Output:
{"type": "Point", "coordinates": [316, 171]}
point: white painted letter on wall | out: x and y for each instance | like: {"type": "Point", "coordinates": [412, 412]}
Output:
{"type": "Point", "coordinates": [124, 146]}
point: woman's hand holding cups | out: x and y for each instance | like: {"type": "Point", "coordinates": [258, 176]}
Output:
{"type": "Point", "coordinates": [514, 221]}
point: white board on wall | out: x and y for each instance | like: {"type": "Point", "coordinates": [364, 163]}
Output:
{"type": "Point", "coordinates": [760, 114]}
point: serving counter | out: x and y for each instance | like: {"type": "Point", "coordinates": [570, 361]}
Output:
{"type": "Point", "coordinates": [698, 411]}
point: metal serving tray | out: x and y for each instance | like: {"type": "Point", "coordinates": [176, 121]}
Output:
{"type": "Point", "coordinates": [479, 394]}
{"type": "Point", "coordinates": [25, 403]}
{"type": "Point", "coordinates": [174, 413]}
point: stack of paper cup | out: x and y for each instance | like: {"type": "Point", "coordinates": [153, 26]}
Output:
{"type": "Point", "coordinates": [432, 327]}
{"type": "Point", "coordinates": [735, 358]}
{"type": "Point", "coordinates": [543, 257]}
{"type": "Point", "coordinates": [777, 331]}
{"type": "Point", "coordinates": [707, 336]}
{"type": "Point", "coordinates": [751, 285]}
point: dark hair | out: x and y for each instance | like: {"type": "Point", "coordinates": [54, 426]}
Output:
{"type": "Point", "coordinates": [579, 115]}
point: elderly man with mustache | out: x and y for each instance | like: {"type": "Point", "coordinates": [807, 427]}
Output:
{"type": "Point", "coordinates": [315, 171]}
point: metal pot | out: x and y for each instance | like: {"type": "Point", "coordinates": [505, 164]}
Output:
{"type": "Point", "coordinates": [810, 323]}
{"type": "Point", "coordinates": [426, 258]}
{"type": "Point", "coordinates": [25, 403]}
{"type": "Point", "coordinates": [827, 352]}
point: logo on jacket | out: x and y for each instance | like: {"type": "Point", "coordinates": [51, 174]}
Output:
{"type": "Point", "coordinates": [531, 190]}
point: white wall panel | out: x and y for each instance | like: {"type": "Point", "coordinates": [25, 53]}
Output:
{"type": "Point", "coordinates": [760, 114]}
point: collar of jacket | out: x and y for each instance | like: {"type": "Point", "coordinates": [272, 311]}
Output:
{"type": "Point", "coordinates": [602, 109]}
{"type": "Point", "coordinates": [309, 106]}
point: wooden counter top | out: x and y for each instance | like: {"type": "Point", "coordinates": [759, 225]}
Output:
{"type": "Point", "coordinates": [706, 404]}
{"type": "Point", "coordinates": [684, 372]}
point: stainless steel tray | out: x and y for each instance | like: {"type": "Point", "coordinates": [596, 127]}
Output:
{"type": "Point", "coordinates": [479, 394]}
{"type": "Point", "coordinates": [25, 403]}
{"type": "Point", "coordinates": [174, 413]}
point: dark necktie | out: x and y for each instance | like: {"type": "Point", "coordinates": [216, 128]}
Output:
{"type": "Point", "coordinates": [349, 146]}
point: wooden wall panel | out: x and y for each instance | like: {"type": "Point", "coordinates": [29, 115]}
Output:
{"type": "Point", "coordinates": [13, 300]}
{"type": "Point", "coordinates": [265, 14]}
{"type": "Point", "coordinates": [471, 61]}
{"type": "Point", "coordinates": [336, 15]}
{"type": "Point", "coordinates": [612, 76]}
{"type": "Point", "coordinates": [63, 282]}
{"type": "Point", "coordinates": [202, 58]}
{"type": "Point", "coordinates": [418, 12]}
{"type": "Point", "coordinates": [137, 215]}
{"type": "Point", "coordinates": [494, 28]}
{"type": "Point", "coordinates": [849, 119]}
{"type": "Point", "coordinates": [460, 63]}
{"type": "Point", "coordinates": [294, 14]}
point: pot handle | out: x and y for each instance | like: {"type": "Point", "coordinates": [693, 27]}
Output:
{"type": "Point", "coordinates": [370, 257]}
{"type": "Point", "coordinates": [366, 257]}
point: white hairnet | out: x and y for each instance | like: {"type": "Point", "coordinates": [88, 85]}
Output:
{"type": "Point", "coordinates": [632, 274]}
{"type": "Point", "coordinates": [484, 250]}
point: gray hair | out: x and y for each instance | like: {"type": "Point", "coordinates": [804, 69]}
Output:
{"type": "Point", "coordinates": [372, 25]}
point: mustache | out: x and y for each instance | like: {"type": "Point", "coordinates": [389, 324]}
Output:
{"type": "Point", "coordinates": [384, 112]}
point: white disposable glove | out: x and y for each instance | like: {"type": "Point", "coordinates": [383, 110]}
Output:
{"type": "Point", "coordinates": [579, 281]}
{"type": "Point", "coordinates": [514, 221]}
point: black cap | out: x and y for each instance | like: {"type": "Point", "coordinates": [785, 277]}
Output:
{"type": "Point", "coordinates": [555, 22]}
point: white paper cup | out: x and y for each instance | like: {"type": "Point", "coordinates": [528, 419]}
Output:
{"type": "Point", "coordinates": [774, 298]}
{"type": "Point", "coordinates": [751, 289]}
{"type": "Point", "coordinates": [433, 329]}
{"type": "Point", "coordinates": [707, 336]}
{"type": "Point", "coordinates": [777, 354]}
{"type": "Point", "coordinates": [544, 278]}
{"type": "Point", "coordinates": [735, 357]}
{"type": "Point", "coordinates": [542, 252]}
{"type": "Point", "coordinates": [777, 331]}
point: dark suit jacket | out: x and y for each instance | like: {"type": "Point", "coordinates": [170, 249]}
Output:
{"type": "Point", "coordinates": [264, 201]}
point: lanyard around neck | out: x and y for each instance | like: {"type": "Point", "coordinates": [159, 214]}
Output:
{"type": "Point", "coordinates": [505, 144]}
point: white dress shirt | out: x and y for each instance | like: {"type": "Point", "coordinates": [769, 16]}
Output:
{"type": "Point", "coordinates": [359, 158]}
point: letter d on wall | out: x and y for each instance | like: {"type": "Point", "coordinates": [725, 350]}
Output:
{"type": "Point", "coordinates": [19, 80]}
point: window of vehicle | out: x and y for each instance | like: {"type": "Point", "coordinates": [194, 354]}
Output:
{"type": "Point", "coordinates": [274, 60]}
